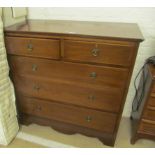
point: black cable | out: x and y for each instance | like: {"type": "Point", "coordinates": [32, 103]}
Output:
{"type": "Point", "coordinates": [150, 60]}
{"type": "Point", "coordinates": [143, 87]}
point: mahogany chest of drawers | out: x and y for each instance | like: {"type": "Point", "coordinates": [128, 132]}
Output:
{"type": "Point", "coordinates": [143, 118]}
{"type": "Point", "coordinates": [72, 76]}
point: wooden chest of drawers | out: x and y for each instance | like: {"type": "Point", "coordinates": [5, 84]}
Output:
{"type": "Point", "coordinates": [143, 120]}
{"type": "Point", "coordinates": [73, 76]}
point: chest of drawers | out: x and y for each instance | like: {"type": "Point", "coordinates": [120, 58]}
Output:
{"type": "Point", "coordinates": [73, 76]}
{"type": "Point", "coordinates": [143, 119]}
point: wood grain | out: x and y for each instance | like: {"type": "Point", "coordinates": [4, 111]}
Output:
{"type": "Point", "coordinates": [73, 76]}
{"type": "Point", "coordinates": [147, 127]}
{"type": "Point", "coordinates": [101, 121]}
{"type": "Point", "coordinates": [151, 102]}
{"type": "Point", "coordinates": [104, 98]}
{"type": "Point", "coordinates": [67, 71]}
{"type": "Point", "coordinates": [44, 48]}
{"type": "Point", "coordinates": [149, 113]}
{"type": "Point", "coordinates": [108, 53]}
{"type": "Point", "coordinates": [128, 31]}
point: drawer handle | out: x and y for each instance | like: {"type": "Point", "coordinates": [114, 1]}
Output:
{"type": "Point", "coordinates": [91, 97]}
{"type": "Point", "coordinates": [35, 87]}
{"type": "Point", "coordinates": [88, 118]}
{"type": "Point", "coordinates": [95, 52]}
{"type": "Point", "coordinates": [34, 67]}
{"type": "Point", "coordinates": [29, 47]}
{"type": "Point", "coordinates": [93, 75]}
{"type": "Point", "coordinates": [38, 108]}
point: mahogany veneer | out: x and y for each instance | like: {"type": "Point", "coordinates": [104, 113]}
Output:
{"type": "Point", "coordinates": [72, 75]}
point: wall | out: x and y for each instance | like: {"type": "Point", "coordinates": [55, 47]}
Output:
{"type": "Point", "coordinates": [145, 17]}
{"type": "Point", "coordinates": [13, 15]}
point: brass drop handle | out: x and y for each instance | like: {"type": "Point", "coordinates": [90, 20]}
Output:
{"type": "Point", "coordinates": [91, 97]}
{"type": "Point", "coordinates": [95, 52]}
{"type": "Point", "coordinates": [93, 75]}
{"type": "Point", "coordinates": [34, 67]}
{"type": "Point", "coordinates": [88, 118]}
{"type": "Point", "coordinates": [29, 47]}
{"type": "Point", "coordinates": [36, 87]}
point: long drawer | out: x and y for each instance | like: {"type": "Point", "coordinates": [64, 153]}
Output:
{"type": "Point", "coordinates": [99, 97]}
{"type": "Point", "coordinates": [44, 48]}
{"type": "Point", "coordinates": [93, 119]}
{"type": "Point", "coordinates": [112, 53]}
{"type": "Point", "coordinates": [95, 75]}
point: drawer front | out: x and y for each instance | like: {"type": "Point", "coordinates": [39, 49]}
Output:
{"type": "Point", "coordinates": [44, 48]}
{"type": "Point", "coordinates": [147, 126]}
{"type": "Point", "coordinates": [153, 89]}
{"type": "Point", "coordinates": [95, 75]}
{"type": "Point", "coordinates": [93, 119]}
{"type": "Point", "coordinates": [103, 98]}
{"type": "Point", "coordinates": [151, 102]}
{"type": "Point", "coordinates": [106, 53]}
{"type": "Point", "coordinates": [149, 113]}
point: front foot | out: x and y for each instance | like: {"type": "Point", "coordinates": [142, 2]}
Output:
{"type": "Point", "coordinates": [108, 142]}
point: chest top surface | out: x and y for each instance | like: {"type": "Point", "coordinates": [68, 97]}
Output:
{"type": "Point", "coordinates": [128, 31]}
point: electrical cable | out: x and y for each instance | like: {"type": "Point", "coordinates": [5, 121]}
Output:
{"type": "Point", "coordinates": [142, 69]}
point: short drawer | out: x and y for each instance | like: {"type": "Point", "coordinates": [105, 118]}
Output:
{"type": "Point", "coordinates": [86, 95]}
{"type": "Point", "coordinates": [93, 119]}
{"type": "Point", "coordinates": [106, 53]}
{"type": "Point", "coordinates": [44, 48]}
{"type": "Point", "coordinates": [84, 73]}
{"type": "Point", "coordinates": [147, 126]}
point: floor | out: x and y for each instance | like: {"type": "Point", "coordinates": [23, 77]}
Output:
{"type": "Point", "coordinates": [35, 136]}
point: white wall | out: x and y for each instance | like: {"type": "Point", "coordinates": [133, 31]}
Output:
{"type": "Point", "coordinates": [145, 17]}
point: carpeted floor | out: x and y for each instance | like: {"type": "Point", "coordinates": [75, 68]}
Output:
{"type": "Point", "coordinates": [35, 136]}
